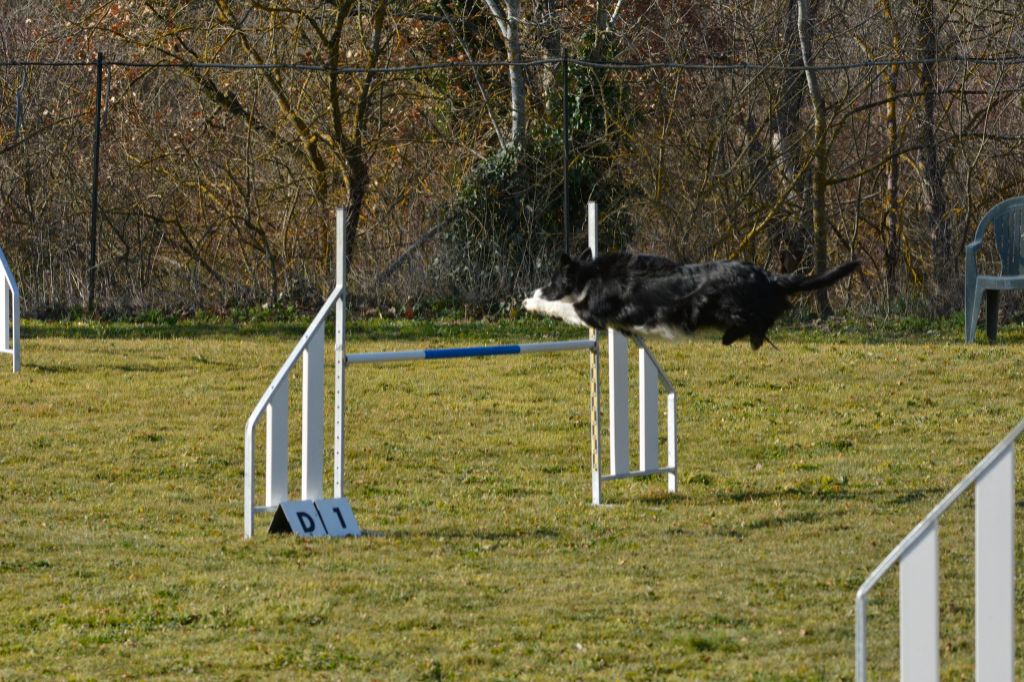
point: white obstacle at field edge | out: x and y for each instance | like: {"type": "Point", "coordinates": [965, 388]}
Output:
{"type": "Point", "coordinates": [918, 558]}
{"type": "Point", "coordinates": [273, 406]}
{"type": "Point", "coordinates": [10, 313]}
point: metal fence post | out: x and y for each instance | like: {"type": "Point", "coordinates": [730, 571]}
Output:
{"type": "Point", "coordinates": [95, 181]}
{"type": "Point", "coordinates": [565, 148]}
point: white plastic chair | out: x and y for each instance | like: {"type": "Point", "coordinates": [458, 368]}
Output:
{"type": "Point", "coordinates": [1007, 222]}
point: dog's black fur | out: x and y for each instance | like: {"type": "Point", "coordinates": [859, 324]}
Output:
{"type": "Point", "coordinates": [639, 294]}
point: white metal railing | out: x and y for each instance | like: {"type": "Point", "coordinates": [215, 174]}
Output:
{"type": "Point", "coordinates": [650, 376]}
{"type": "Point", "coordinates": [274, 406]}
{"type": "Point", "coordinates": [10, 313]}
{"type": "Point", "coordinates": [918, 559]}
{"type": "Point", "coordinates": [649, 416]}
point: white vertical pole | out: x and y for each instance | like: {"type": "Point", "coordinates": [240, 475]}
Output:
{"type": "Point", "coordinates": [313, 416]}
{"type": "Point", "coordinates": [339, 356]}
{"type": "Point", "coordinates": [618, 402]}
{"type": "Point", "coordinates": [618, 398]}
{"type": "Point", "coordinates": [671, 433]}
{"type": "Point", "coordinates": [595, 377]}
{"type": "Point", "coordinates": [993, 573]}
{"type": "Point", "coordinates": [277, 445]}
{"type": "Point", "coordinates": [919, 610]}
{"type": "Point", "coordinates": [618, 384]}
{"type": "Point", "coordinates": [648, 421]}
{"type": "Point", "coordinates": [860, 644]}
{"type": "Point", "coordinates": [16, 326]}
{"type": "Point", "coordinates": [249, 483]}
{"type": "Point", "coordinates": [5, 314]}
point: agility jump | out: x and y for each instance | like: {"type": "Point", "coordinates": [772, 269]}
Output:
{"type": "Point", "coordinates": [10, 314]}
{"type": "Point", "coordinates": [273, 407]}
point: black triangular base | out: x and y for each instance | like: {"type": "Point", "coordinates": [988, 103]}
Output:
{"type": "Point", "coordinates": [280, 522]}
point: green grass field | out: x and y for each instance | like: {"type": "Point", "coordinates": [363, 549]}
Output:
{"type": "Point", "coordinates": [121, 553]}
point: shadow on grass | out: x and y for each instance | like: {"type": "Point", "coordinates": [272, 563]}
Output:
{"type": "Point", "coordinates": [829, 492]}
{"type": "Point", "coordinates": [812, 491]}
{"type": "Point", "coordinates": [916, 495]}
{"type": "Point", "coordinates": [774, 522]}
{"type": "Point", "coordinates": [52, 369]}
{"type": "Point", "coordinates": [482, 535]}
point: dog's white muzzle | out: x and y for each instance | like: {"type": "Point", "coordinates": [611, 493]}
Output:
{"type": "Point", "coordinates": [562, 310]}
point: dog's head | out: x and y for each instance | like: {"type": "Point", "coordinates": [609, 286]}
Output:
{"type": "Point", "coordinates": [568, 287]}
{"type": "Point", "coordinates": [568, 281]}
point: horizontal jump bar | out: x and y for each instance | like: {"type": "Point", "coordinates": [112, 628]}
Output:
{"type": "Point", "coordinates": [469, 351]}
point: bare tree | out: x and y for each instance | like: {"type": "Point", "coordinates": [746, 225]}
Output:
{"type": "Point", "coordinates": [508, 16]}
{"type": "Point", "coordinates": [933, 191]}
{"type": "Point", "coordinates": [805, 26]}
{"type": "Point", "coordinates": [786, 128]}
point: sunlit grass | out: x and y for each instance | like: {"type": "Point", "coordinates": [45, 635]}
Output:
{"type": "Point", "coordinates": [121, 493]}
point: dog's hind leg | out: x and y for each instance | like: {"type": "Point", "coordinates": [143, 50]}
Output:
{"type": "Point", "coordinates": [760, 336]}
{"type": "Point", "coordinates": [732, 334]}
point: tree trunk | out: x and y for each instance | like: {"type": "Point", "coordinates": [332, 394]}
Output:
{"type": "Point", "coordinates": [516, 75]}
{"type": "Point", "coordinates": [892, 164]}
{"type": "Point", "coordinates": [551, 45]}
{"type": "Point", "coordinates": [933, 191]}
{"type": "Point", "coordinates": [805, 29]}
{"type": "Point", "coordinates": [785, 142]}
{"type": "Point", "coordinates": [355, 169]}
{"type": "Point", "coordinates": [508, 19]}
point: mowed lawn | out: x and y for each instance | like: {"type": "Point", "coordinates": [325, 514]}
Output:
{"type": "Point", "coordinates": [121, 549]}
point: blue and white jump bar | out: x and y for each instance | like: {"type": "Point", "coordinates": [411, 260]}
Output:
{"type": "Point", "coordinates": [470, 351]}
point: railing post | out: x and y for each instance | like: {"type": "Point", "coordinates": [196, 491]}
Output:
{"type": "Point", "coordinates": [919, 610]}
{"type": "Point", "coordinates": [994, 601]}
{"type": "Point", "coordinates": [277, 445]}
{"type": "Point", "coordinates": [860, 645]}
{"type": "Point", "coordinates": [313, 417]}
{"type": "Point", "coordinates": [670, 429]}
{"type": "Point", "coordinates": [648, 417]}
{"type": "Point", "coordinates": [15, 325]}
{"type": "Point", "coordinates": [618, 402]}
{"type": "Point", "coordinates": [5, 314]}
{"type": "Point", "coordinates": [595, 377]}
{"type": "Point", "coordinates": [341, 225]}
{"type": "Point", "coordinates": [10, 313]}
{"type": "Point", "coordinates": [248, 487]}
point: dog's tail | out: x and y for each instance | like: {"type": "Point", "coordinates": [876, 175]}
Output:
{"type": "Point", "coordinates": [795, 283]}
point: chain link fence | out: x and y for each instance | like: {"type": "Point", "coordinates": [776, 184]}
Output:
{"type": "Point", "coordinates": [217, 181]}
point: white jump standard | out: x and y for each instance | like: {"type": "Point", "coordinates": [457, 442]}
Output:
{"type": "Point", "coordinates": [317, 516]}
{"type": "Point", "coordinates": [10, 313]}
{"type": "Point", "coordinates": [917, 556]}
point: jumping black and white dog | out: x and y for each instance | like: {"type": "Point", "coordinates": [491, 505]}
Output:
{"type": "Point", "coordinates": [651, 295]}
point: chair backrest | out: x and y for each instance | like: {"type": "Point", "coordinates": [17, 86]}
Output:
{"type": "Point", "coordinates": [1007, 222]}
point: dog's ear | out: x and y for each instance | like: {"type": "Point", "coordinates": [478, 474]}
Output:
{"type": "Point", "coordinates": [565, 260]}
{"type": "Point", "coordinates": [585, 256]}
